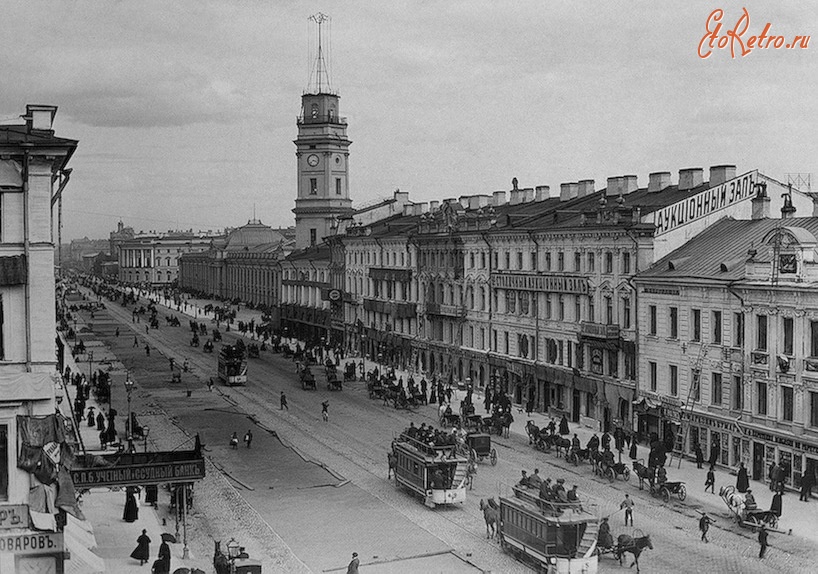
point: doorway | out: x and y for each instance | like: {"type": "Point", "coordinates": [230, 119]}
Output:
{"type": "Point", "coordinates": [575, 406]}
{"type": "Point", "coordinates": [758, 461]}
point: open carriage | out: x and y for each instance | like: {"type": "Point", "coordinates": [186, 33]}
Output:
{"type": "Point", "coordinates": [208, 346]}
{"type": "Point", "coordinates": [194, 342]}
{"type": "Point", "coordinates": [747, 517]}
{"type": "Point", "coordinates": [349, 372]}
{"type": "Point", "coordinates": [473, 423]}
{"type": "Point", "coordinates": [449, 420]}
{"type": "Point", "coordinates": [252, 351]}
{"type": "Point", "coordinates": [376, 389]}
{"type": "Point", "coordinates": [307, 379]}
{"type": "Point", "coordinates": [665, 489]}
{"type": "Point", "coordinates": [333, 382]}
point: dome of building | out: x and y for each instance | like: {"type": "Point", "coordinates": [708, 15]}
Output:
{"type": "Point", "coordinates": [251, 235]}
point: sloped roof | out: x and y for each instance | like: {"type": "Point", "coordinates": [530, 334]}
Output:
{"type": "Point", "coordinates": [720, 251]}
{"type": "Point", "coordinates": [318, 253]}
{"type": "Point", "coordinates": [253, 234]}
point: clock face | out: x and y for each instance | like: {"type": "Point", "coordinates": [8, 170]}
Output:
{"type": "Point", "coordinates": [312, 159]}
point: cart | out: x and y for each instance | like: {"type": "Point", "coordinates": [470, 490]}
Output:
{"type": "Point", "coordinates": [753, 518]}
{"type": "Point", "coordinates": [480, 447]}
{"type": "Point", "coordinates": [449, 420]}
{"type": "Point", "coordinates": [307, 379]}
{"type": "Point", "coordinates": [252, 351]}
{"type": "Point", "coordinates": [473, 423]}
{"type": "Point", "coordinates": [194, 342]}
{"type": "Point", "coordinates": [333, 382]}
{"type": "Point", "coordinates": [616, 470]}
{"type": "Point", "coordinates": [375, 389]}
{"type": "Point", "coordinates": [667, 488]}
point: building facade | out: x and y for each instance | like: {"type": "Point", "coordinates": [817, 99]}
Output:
{"type": "Point", "coordinates": [153, 258]}
{"type": "Point", "coordinates": [32, 169]}
{"type": "Point", "coordinates": [728, 340]}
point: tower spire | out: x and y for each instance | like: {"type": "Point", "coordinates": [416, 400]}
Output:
{"type": "Point", "coordinates": [319, 76]}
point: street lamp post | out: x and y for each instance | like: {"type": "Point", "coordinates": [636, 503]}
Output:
{"type": "Point", "coordinates": [129, 427]}
{"type": "Point", "coordinates": [90, 365]}
{"type": "Point", "coordinates": [145, 431]}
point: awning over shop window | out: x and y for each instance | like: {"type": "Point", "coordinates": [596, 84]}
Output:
{"type": "Point", "coordinates": [26, 386]}
{"type": "Point", "coordinates": [614, 392]}
{"type": "Point", "coordinates": [647, 403]}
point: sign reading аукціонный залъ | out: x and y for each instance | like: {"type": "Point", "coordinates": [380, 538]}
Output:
{"type": "Point", "coordinates": [31, 543]}
{"type": "Point", "coordinates": [139, 474]}
{"type": "Point", "coordinates": [705, 203]}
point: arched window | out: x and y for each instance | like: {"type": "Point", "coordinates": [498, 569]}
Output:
{"type": "Point", "coordinates": [314, 111]}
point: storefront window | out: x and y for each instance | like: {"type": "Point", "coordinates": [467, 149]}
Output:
{"type": "Point", "coordinates": [694, 437]}
{"type": "Point", "coordinates": [785, 460]}
{"type": "Point", "coordinates": [736, 450]}
{"type": "Point", "coordinates": [797, 461]}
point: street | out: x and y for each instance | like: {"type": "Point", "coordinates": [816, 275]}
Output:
{"type": "Point", "coordinates": [328, 495]}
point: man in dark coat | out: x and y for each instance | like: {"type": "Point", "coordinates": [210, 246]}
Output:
{"type": "Point", "coordinates": [742, 480]}
{"type": "Point", "coordinates": [806, 486]}
{"type": "Point", "coordinates": [762, 541]}
{"type": "Point", "coordinates": [606, 441]}
{"type": "Point", "coordinates": [697, 449]}
{"type": "Point", "coordinates": [714, 455]}
{"type": "Point", "coordinates": [100, 421]}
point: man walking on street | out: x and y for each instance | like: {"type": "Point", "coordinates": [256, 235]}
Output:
{"type": "Point", "coordinates": [762, 541]}
{"type": "Point", "coordinates": [627, 505]}
{"type": "Point", "coordinates": [352, 568]}
{"type": "Point", "coordinates": [284, 401]}
{"type": "Point", "coordinates": [248, 438]}
{"type": "Point", "coordinates": [711, 481]}
{"type": "Point", "coordinates": [704, 526]}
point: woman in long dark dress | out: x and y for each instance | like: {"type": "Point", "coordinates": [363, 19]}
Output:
{"type": "Point", "coordinates": [142, 552]}
{"type": "Point", "coordinates": [775, 507]}
{"type": "Point", "coordinates": [564, 426]}
{"type": "Point", "coordinates": [742, 481]}
{"type": "Point", "coordinates": [131, 512]}
{"type": "Point", "coordinates": [162, 564]}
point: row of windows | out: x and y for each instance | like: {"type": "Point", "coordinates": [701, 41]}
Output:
{"type": "Point", "coordinates": [314, 186]}
{"type": "Point", "coordinates": [376, 258]}
{"type": "Point", "coordinates": [787, 331]}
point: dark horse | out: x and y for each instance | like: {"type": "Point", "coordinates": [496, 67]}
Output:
{"type": "Point", "coordinates": [627, 543]}
{"type": "Point", "coordinates": [644, 473]}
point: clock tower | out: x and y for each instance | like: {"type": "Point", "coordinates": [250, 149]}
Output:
{"type": "Point", "coordinates": [322, 153]}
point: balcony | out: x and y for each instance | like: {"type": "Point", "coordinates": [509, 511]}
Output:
{"type": "Point", "coordinates": [599, 330]}
{"type": "Point", "coordinates": [396, 309]}
{"type": "Point", "coordinates": [455, 311]}
{"type": "Point", "coordinates": [759, 359]}
{"type": "Point", "coordinates": [321, 119]}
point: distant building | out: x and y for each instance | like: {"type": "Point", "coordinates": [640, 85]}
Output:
{"type": "Point", "coordinates": [152, 258]}
{"type": "Point", "coordinates": [243, 265]}
{"type": "Point", "coordinates": [32, 160]}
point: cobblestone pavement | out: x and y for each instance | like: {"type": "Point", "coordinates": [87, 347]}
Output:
{"type": "Point", "coordinates": [355, 441]}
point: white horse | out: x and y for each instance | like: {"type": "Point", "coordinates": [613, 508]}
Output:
{"type": "Point", "coordinates": [733, 498]}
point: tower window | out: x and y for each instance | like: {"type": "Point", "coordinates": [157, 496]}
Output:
{"type": "Point", "coordinates": [337, 186]}
{"type": "Point", "coordinates": [313, 186]}
{"type": "Point", "coordinates": [314, 111]}
{"type": "Point", "coordinates": [313, 236]}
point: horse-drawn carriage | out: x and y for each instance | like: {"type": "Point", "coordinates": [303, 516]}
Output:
{"type": "Point", "coordinates": [349, 372]}
{"type": "Point", "coordinates": [333, 382]}
{"type": "Point", "coordinates": [208, 346]}
{"type": "Point", "coordinates": [479, 445]}
{"type": "Point", "coordinates": [217, 336]}
{"type": "Point", "coordinates": [625, 543]}
{"type": "Point", "coordinates": [194, 342]}
{"type": "Point", "coordinates": [473, 423]}
{"type": "Point", "coordinates": [665, 489]}
{"type": "Point", "coordinates": [615, 470]}
{"type": "Point", "coordinates": [375, 389]}
{"type": "Point", "coordinates": [307, 379]}
{"type": "Point", "coordinates": [449, 419]}
{"type": "Point", "coordinates": [252, 351]}
{"type": "Point", "coordinates": [747, 517]}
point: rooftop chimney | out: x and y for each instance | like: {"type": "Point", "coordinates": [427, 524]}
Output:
{"type": "Point", "coordinates": [585, 187]}
{"type": "Point", "coordinates": [420, 208]}
{"type": "Point", "coordinates": [478, 201]}
{"type": "Point", "coordinates": [528, 195]}
{"type": "Point", "coordinates": [658, 180]}
{"type": "Point", "coordinates": [690, 178]}
{"type": "Point", "coordinates": [565, 191]}
{"type": "Point", "coordinates": [516, 197]}
{"type": "Point", "coordinates": [498, 198]}
{"type": "Point", "coordinates": [434, 206]}
{"type": "Point", "coordinates": [614, 186]}
{"type": "Point", "coordinates": [761, 203]}
{"type": "Point", "coordinates": [788, 209]}
{"type": "Point", "coordinates": [721, 173]}
{"type": "Point", "coordinates": [629, 184]}
{"type": "Point", "coordinates": [40, 117]}
{"type": "Point", "coordinates": [542, 193]}
{"type": "Point", "coordinates": [408, 209]}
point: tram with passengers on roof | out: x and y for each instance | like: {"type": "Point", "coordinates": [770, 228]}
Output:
{"type": "Point", "coordinates": [435, 473]}
{"type": "Point", "coordinates": [555, 536]}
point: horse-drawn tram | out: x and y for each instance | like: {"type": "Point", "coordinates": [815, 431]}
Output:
{"type": "Point", "coordinates": [436, 473]}
{"type": "Point", "coordinates": [556, 537]}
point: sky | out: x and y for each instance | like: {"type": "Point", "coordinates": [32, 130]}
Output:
{"type": "Point", "coordinates": [185, 111]}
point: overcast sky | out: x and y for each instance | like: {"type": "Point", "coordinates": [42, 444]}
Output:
{"type": "Point", "coordinates": [185, 110]}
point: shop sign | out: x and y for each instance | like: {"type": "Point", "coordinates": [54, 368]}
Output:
{"type": "Point", "coordinates": [555, 283]}
{"type": "Point", "coordinates": [714, 423]}
{"type": "Point", "coordinates": [31, 543]}
{"type": "Point", "coordinates": [13, 516]}
{"type": "Point", "coordinates": [177, 471]}
{"type": "Point", "coordinates": [784, 441]}
{"type": "Point", "coordinates": [705, 203]}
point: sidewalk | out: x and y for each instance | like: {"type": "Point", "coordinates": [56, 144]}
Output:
{"type": "Point", "coordinates": [111, 538]}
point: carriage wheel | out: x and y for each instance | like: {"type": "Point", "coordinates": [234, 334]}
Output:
{"type": "Point", "coordinates": [665, 494]}
{"type": "Point", "coordinates": [682, 492]}
{"type": "Point", "coordinates": [627, 473]}
{"type": "Point", "coordinates": [608, 473]}
{"type": "Point", "coordinates": [494, 457]}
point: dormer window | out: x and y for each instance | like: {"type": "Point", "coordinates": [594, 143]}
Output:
{"type": "Point", "coordinates": [787, 263]}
